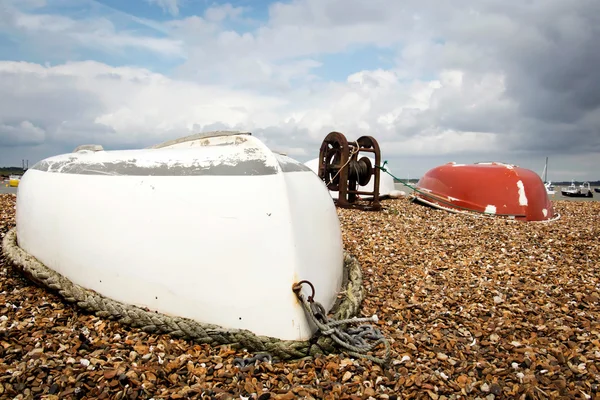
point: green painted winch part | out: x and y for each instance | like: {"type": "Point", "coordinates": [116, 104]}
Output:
{"type": "Point", "coordinates": [346, 306]}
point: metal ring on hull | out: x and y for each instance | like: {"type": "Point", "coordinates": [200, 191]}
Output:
{"type": "Point", "coordinates": [346, 307]}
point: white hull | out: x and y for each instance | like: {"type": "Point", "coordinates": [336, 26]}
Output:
{"type": "Point", "coordinates": [386, 182]}
{"type": "Point", "coordinates": [220, 246]}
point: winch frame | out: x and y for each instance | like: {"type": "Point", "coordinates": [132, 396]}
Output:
{"type": "Point", "coordinates": [343, 172]}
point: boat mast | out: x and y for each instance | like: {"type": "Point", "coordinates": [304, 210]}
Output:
{"type": "Point", "coordinates": [546, 170]}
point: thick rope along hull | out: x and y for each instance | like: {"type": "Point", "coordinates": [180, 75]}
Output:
{"type": "Point", "coordinates": [346, 307]}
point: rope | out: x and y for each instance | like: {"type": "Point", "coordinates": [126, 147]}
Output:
{"type": "Point", "coordinates": [354, 151]}
{"type": "Point", "coordinates": [359, 171]}
{"type": "Point", "coordinates": [185, 328]}
{"type": "Point", "coordinates": [245, 363]}
{"type": "Point", "coordinates": [352, 339]}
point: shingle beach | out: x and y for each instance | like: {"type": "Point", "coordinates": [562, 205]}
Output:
{"type": "Point", "coordinates": [473, 308]}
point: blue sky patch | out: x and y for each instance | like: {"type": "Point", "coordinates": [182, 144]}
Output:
{"type": "Point", "coordinates": [338, 66]}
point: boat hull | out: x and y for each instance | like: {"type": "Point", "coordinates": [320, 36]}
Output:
{"type": "Point", "coordinates": [577, 194]}
{"type": "Point", "coordinates": [489, 188]}
{"type": "Point", "coordinates": [221, 245]}
{"type": "Point", "coordinates": [583, 190]}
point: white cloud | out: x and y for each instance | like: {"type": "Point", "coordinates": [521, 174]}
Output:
{"type": "Point", "coordinates": [222, 12]}
{"type": "Point", "coordinates": [171, 6]}
{"type": "Point", "coordinates": [132, 106]}
{"type": "Point", "coordinates": [94, 32]}
{"type": "Point", "coordinates": [469, 78]}
{"type": "Point", "coordinates": [31, 4]}
{"type": "Point", "coordinates": [23, 133]}
{"type": "Point", "coordinates": [445, 143]}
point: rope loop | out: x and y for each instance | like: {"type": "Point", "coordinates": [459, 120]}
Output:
{"type": "Point", "coordinates": [382, 167]}
{"type": "Point", "coordinates": [354, 340]}
{"type": "Point", "coordinates": [245, 363]}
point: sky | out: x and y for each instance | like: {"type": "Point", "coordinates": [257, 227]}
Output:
{"type": "Point", "coordinates": [512, 81]}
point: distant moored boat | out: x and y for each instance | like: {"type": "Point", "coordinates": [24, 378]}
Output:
{"type": "Point", "coordinates": [583, 190]}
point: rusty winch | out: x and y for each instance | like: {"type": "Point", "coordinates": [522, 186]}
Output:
{"type": "Point", "coordinates": [342, 170]}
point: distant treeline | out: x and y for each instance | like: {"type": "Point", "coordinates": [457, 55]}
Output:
{"type": "Point", "coordinates": [11, 170]}
{"type": "Point", "coordinates": [592, 183]}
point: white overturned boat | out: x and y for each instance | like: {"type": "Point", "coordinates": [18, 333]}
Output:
{"type": "Point", "coordinates": [215, 228]}
{"type": "Point", "coordinates": [387, 189]}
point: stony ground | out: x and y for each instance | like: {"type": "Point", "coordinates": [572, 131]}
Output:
{"type": "Point", "coordinates": [474, 308]}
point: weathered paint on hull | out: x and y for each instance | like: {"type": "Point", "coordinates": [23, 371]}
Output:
{"type": "Point", "coordinates": [223, 248]}
{"type": "Point", "coordinates": [491, 188]}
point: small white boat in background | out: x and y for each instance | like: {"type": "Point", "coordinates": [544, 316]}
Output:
{"type": "Point", "coordinates": [549, 188]}
{"type": "Point", "coordinates": [387, 188]}
{"type": "Point", "coordinates": [213, 227]}
{"type": "Point", "coordinates": [583, 190]}
{"type": "Point", "coordinates": [548, 184]}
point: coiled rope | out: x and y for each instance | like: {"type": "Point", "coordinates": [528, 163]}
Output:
{"type": "Point", "coordinates": [360, 171]}
{"type": "Point", "coordinates": [185, 328]}
{"type": "Point", "coordinates": [352, 339]}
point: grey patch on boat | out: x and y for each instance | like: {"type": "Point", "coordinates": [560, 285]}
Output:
{"type": "Point", "coordinates": [88, 148]}
{"type": "Point", "coordinates": [203, 135]}
{"type": "Point", "coordinates": [290, 165]}
{"type": "Point", "coordinates": [115, 168]}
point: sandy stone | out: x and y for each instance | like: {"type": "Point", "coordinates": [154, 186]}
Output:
{"type": "Point", "coordinates": [473, 308]}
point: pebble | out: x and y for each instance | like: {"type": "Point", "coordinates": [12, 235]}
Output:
{"type": "Point", "coordinates": [465, 319]}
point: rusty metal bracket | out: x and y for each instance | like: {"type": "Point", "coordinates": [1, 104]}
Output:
{"type": "Point", "coordinates": [298, 286]}
{"type": "Point", "coordinates": [342, 170]}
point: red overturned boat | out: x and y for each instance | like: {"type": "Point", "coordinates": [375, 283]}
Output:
{"type": "Point", "coordinates": [489, 188]}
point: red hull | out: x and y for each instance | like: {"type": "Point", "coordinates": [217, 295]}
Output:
{"type": "Point", "coordinates": [491, 188]}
